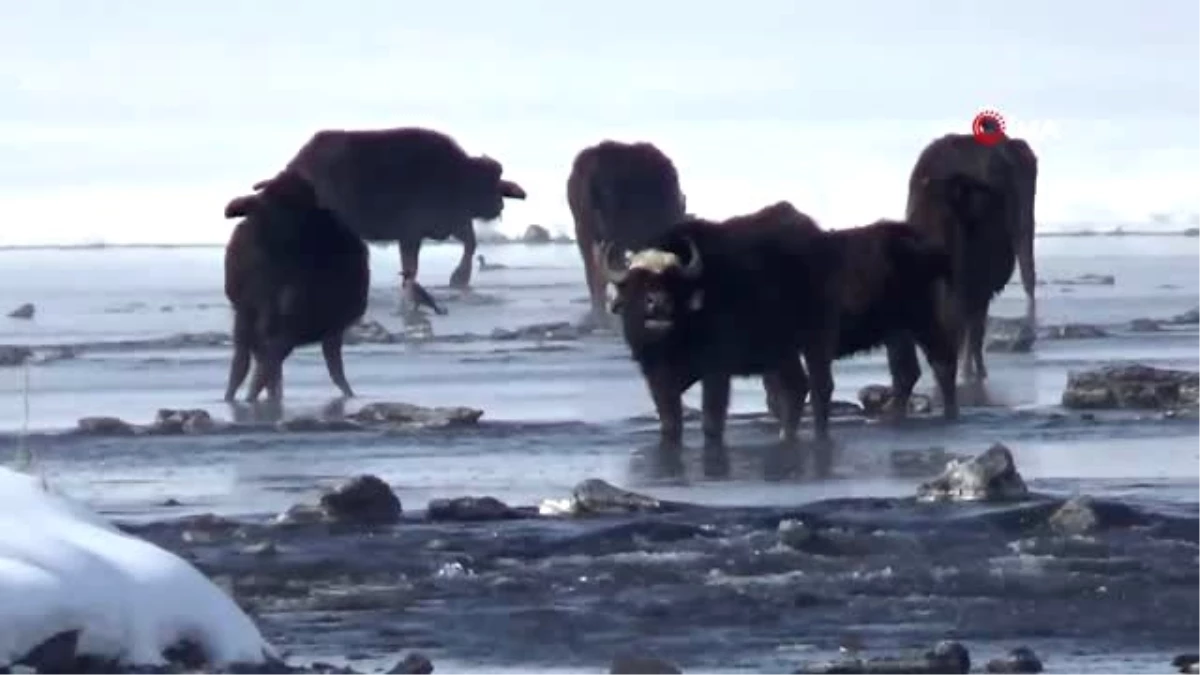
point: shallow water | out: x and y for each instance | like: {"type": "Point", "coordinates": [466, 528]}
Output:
{"type": "Point", "coordinates": [558, 412]}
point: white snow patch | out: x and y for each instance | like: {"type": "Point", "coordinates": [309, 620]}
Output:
{"type": "Point", "coordinates": [64, 567]}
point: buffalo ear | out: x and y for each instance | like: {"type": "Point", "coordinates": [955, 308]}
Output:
{"type": "Point", "coordinates": [696, 301]}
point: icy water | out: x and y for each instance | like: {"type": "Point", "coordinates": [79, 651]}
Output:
{"type": "Point", "coordinates": [710, 588]}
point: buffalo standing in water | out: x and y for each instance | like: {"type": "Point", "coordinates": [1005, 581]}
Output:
{"type": "Point", "coordinates": [969, 219]}
{"type": "Point", "coordinates": [295, 275]}
{"type": "Point", "coordinates": [622, 195]}
{"type": "Point", "coordinates": [1009, 168]}
{"type": "Point", "coordinates": [405, 185]}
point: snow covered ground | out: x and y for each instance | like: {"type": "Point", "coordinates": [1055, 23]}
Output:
{"type": "Point", "coordinates": [64, 568]}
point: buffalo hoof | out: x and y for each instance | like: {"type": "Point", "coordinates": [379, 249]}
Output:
{"type": "Point", "coordinates": [461, 278]}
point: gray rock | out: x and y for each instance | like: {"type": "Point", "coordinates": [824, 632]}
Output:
{"type": "Point", "coordinates": [301, 514]}
{"type": "Point", "coordinates": [1188, 318]}
{"type": "Point", "coordinates": [104, 426]}
{"type": "Point", "coordinates": [991, 476]}
{"type": "Point", "coordinates": [553, 331]}
{"type": "Point", "coordinates": [1077, 516]}
{"type": "Point", "coordinates": [945, 657]}
{"type": "Point", "coordinates": [463, 509]}
{"type": "Point", "coordinates": [407, 414]}
{"type": "Point", "coordinates": [876, 399]}
{"type": "Point", "coordinates": [596, 496]}
{"type": "Point", "coordinates": [414, 663]}
{"type": "Point", "coordinates": [1019, 660]}
{"type": "Point", "coordinates": [363, 500]}
{"type": "Point", "coordinates": [14, 355]}
{"type": "Point", "coordinates": [1086, 280]}
{"type": "Point", "coordinates": [263, 549]}
{"type": "Point", "coordinates": [796, 534]}
{"type": "Point", "coordinates": [1145, 325]}
{"type": "Point", "coordinates": [641, 664]}
{"type": "Point", "coordinates": [536, 234]}
{"type": "Point", "coordinates": [189, 421]}
{"type": "Point", "coordinates": [1131, 386]}
{"type": "Point", "coordinates": [25, 311]}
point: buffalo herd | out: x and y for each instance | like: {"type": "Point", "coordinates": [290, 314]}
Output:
{"type": "Point", "coordinates": [767, 293]}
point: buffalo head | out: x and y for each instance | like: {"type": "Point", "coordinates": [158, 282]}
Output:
{"type": "Point", "coordinates": [487, 190]}
{"type": "Point", "coordinates": [657, 289]}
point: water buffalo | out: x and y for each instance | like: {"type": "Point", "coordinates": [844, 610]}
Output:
{"type": "Point", "coordinates": [776, 282]}
{"type": "Point", "coordinates": [295, 275]}
{"type": "Point", "coordinates": [405, 185]}
{"type": "Point", "coordinates": [1011, 167]}
{"type": "Point", "coordinates": [705, 302]}
{"type": "Point", "coordinates": [968, 218]}
{"type": "Point", "coordinates": [622, 194]}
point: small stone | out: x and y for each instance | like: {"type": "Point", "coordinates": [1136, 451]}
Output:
{"type": "Point", "coordinates": [104, 426]}
{"type": "Point", "coordinates": [1076, 516]}
{"type": "Point", "coordinates": [1145, 326]}
{"type": "Point", "coordinates": [364, 500]}
{"type": "Point", "coordinates": [264, 549]}
{"type": "Point", "coordinates": [536, 234]}
{"type": "Point", "coordinates": [190, 421]}
{"type": "Point", "coordinates": [24, 311]}
{"type": "Point", "coordinates": [1019, 660]}
{"type": "Point", "coordinates": [795, 534]}
{"type": "Point", "coordinates": [414, 663]}
{"type": "Point", "coordinates": [463, 509]}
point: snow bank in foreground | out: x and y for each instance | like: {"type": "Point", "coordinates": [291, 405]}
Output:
{"type": "Point", "coordinates": [63, 567]}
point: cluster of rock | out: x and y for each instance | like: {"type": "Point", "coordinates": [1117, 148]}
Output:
{"type": "Point", "coordinates": [382, 416]}
{"type": "Point", "coordinates": [1015, 335]}
{"type": "Point", "coordinates": [60, 654]}
{"type": "Point", "coordinates": [876, 400]}
{"type": "Point", "coordinates": [1132, 387]}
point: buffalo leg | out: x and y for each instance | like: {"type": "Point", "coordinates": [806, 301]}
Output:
{"type": "Point", "coordinates": [905, 371]}
{"type": "Point", "coordinates": [593, 272]}
{"type": "Point", "coordinates": [668, 403]}
{"type": "Point", "coordinates": [268, 371]}
{"type": "Point", "coordinates": [790, 393]}
{"type": "Point", "coordinates": [243, 339]}
{"type": "Point", "coordinates": [1028, 273]}
{"type": "Point", "coordinates": [820, 374]}
{"type": "Point", "coordinates": [940, 352]}
{"type": "Point", "coordinates": [715, 406]}
{"type": "Point", "coordinates": [331, 348]}
{"type": "Point", "coordinates": [771, 387]}
{"type": "Point", "coordinates": [410, 255]}
{"type": "Point", "coordinates": [976, 330]}
{"type": "Point", "coordinates": [461, 277]}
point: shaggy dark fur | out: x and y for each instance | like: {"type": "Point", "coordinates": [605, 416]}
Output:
{"type": "Point", "coordinates": [883, 284]}
{"type": "Point", "coordinates": [295, 275]}
{"type": "Point", "coordinates": [1011, 168]}
{"type": "Point", "coordinates": [405, 185]}
{"type": "Point", "coordinates": [625, 194]}
{"type": "Point", "coordinates": [969, 219]}
{"type": "Point", "coordinates": [707, 302]}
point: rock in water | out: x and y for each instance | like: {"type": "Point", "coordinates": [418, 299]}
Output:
{"type": "Point", "coordinates": [104, 426]}
{"type": "Point", "coordinates": [536, 234]}
{"type": "Point", "coordinates": [597, 496]}
{"type": "Point", "coordinates": [463, 509]}
{"type": "Point", "coordinates": [875, 399]}
{"type": "Point", "coordinates": [991, 476]}
{"type": "Point", "coordinates": [363, 500]}
{"type": "Point", "coordinates": [25, 311]}
{"type": "Point", "coordinates": [1188, 318]}
{"type": "Point", "coordinates": [368, 331]}
{"type": "Point", "coordinates": [1131, 386]}
{"type": "Point", "coordinates": [415, 663]}
{"type": "Point", "coordinates": [1076, 516]}
{"type": "Point", "coordinates": [921, 463]}
{"type": "Point", "coordinates": [194, 421]}
{"type": "Point", "coordinates": [1074, 331]}
{"type": "Point", "coordinates": [1010, 334]}
{"type": "Point", "coordinates": [1145, 325]}
{"type": "Point", "coordinates": [407, 414]}
{"type": "Point", "coordinates": [1019, 660]}
{"type": "Point", "coordinates": [945, 657]}
{"type": "Point", "coordinates": [12, 355]}
{"type": "Point", "coordinates": [636, 664]}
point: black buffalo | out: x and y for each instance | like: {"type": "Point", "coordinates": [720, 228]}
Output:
{"type": "Point", "coordinates": [295, 275]}
{"type": "Point", "coordinates": [624, 195]}
{"type": "Point", "coordinates": [968, 218]}
{"type": "Point", "coordinates": [405, 185]}
{"type": "Point", "coordinates": [706, 302]}
{"type": "Point", "coordinates": [734, 297]}
{"type": "Point", "coordinates": [1009, 167]}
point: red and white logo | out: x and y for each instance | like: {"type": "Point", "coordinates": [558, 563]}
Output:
{"type": "Point", "coordinates": [988, 127]}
